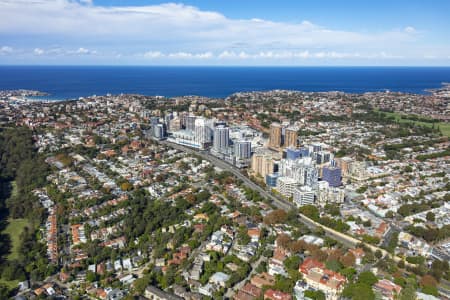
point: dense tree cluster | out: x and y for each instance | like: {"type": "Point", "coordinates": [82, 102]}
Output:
{"type": "Point", "coordinates": [21, 169]}
{"type": "Point", "coordinates": [410, 144]}
{"type": "Point", "coordinates": [275, 217]}
{"type": "Point", "coordinates": [424, 157]}
{"type": "Point", "coordinates": [313, 213]}
{"type": "Point", "coordinates": [19, 161]}
{"type": "Point", "coordinates": [362, 287]}
{"type": "Point", "coordinates": [414, 208]}
{"type": "Point", "coordinates": [430, 234]}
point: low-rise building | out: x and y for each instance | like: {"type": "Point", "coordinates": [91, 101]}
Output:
{"type": "Point", "coordinates": [317, 276]}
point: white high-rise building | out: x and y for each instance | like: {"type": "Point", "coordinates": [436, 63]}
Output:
{"type": "Point", "coordinates": [242, 149]}
{"type": "Point", "coordinates": [202, 132]}
{"type": "Point", "coordinates": [286, 186]}
{"type": "Point", "coordinates": [303, 170]}
{"type": "Point", "coordinates": [190, 122]}
{"type": "Point", "coordinates": [159, 131]}
{"type": "Point", "coordinates": [327, 194]}
{"type": "Point", "coordinates": [303, 195]}
{"type": "Point", "coordinates": [221, 138]}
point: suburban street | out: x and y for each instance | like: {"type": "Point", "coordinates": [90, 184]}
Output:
{"type": "Point", "coordinates": [279, 203]}
{"type": "Point", "coordinates": [345, 239]}
{"type": "Point", "coordinates": [231, 291]}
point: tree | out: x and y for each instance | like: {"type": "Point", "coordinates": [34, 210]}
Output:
{"type": "Point", "coordinates": [262, 267]}
{"type": "Point", "coordinates": [4, 292]}
{"type": "Point", "coordinates": [333, 265]}
{"type": "Point", "coordinates": [126, 186]}
{"type": "Point", "coordinates": [367, 278]}
{"type": "Point", "coordinates": [390, 214]}
{"type": "Point", "coordinates": [297, 246]}
{"type": "Point", "coordinates": [141, 284]}
{"type": "Point", "coordinates": [428, 281]}
{"type": "Point", "coordinates": [284, 284]}
{"type": "Point", "coordinates": [329, 242]}
{"type": "Point", "coordinates": [190, 198]}
{"type": "Point", "coordinates": [430, 216]}
{"type": "Point", "coordinates": [408, 169]}
{"type": "Point", "coordinates": [430, 290]}
{"type": "Point", "coordinates": [318, 254]}
{"type": "Point", "coordinates": [378, 254]}
{"type": "Point", "coordinates": [316, 295]}
{"type": "Point", "coordinates": [275, 217]}
{"type": "Point", "coordinates": [362, 189]}
{"type": "Point", "coordinates": [358, 291]}
{"type": "Point", "coordinates": [332, 209]}
{"type": "Point", "coordinates": [349, 273]}
{"type": "Point", "coordinates": [243, 236]}
{"type": "Point", "coordinates": [348, 260]}
{"type": "Point", "coordinates": [283, 241]}
{"type": "Point", "coordinates": [292, 262]}
{"type": "Point", "coordinates": [310, 211]}
{"type": "Point", "coordinates": [91, 276]}
{"type": "Point", "coordinates": [203, 196]}
{"type": "Point", "coordinates": [408, 293]}
{"type": "Point", "coordinates": [417, 260]}
{"type": "Point", "coordinates": [370, 239]}
{"type": "Point", "coordinates": [439, 268]}
{"type": "Point", "coordinates": [335, 254]}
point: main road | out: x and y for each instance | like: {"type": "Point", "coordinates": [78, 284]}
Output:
{"type": "Point", "coordinates": [280, 203]}
{"type": "Point", "coordinates": [343, 238]}
{"type": "Point", "coordinates": [277, 202]}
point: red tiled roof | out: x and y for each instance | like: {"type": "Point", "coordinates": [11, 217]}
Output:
{"type": "Point", "coordinates": [276, 295]}
{"type": "Point", "coordinates": [252, 290]}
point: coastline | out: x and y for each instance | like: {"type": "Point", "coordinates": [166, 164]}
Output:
{"type": "Point", "coordinates": [73, 82]}
{"type": "Point", "coordinates": [47, 98]}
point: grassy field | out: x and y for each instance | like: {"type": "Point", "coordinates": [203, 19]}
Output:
{"type": "Point", "coordinates": [14, 229]}
{"type": "Point", "coordinates": [443, 126]}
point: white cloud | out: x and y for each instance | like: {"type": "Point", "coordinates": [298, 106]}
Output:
{"type": "Point", "coordinates": [182, 32]}
{"type": "Point", "coordinates": [267, 55]}
{"type": "Point", "coordinates": [153, 54]}
{"type": "Point", "coordinates": [178, 55]}
{"type": "Point", "coordinates": [209, 56]}
{"type": "Point", "coordinates": [410, 29]}
{"type": "Point", "coordinates": [61, 52]}
{"type": "Point", "coordinates": [226, 54]}
{"type": "Point", "coordinates": [6, 50]}
{"type": "Point", "coordinates": [82, 51]}
{"type": "Point", "coordinates": [306, 54]}
{"type": "Point", "coordinates": [205, 55]}
{"type": "Point", "coordinates": [38, 51]}
{"type": "Point", "coordinates": [170, 23]}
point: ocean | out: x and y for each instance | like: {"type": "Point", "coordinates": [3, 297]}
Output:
{"type": "Point", "coordinates": [71, 82]}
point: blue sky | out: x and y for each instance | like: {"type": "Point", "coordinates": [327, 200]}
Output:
{"type": "Point", "coordinates": [214, 32]}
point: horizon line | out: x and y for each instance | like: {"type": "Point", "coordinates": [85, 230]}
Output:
{"type": "Point", "coordinates": [225, 66]}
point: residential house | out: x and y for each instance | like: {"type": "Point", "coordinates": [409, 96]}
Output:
{"type": "Point", "coordinates": [387, 289]}
{"type": "Point", "coordinates": [219, 278]}
{"type": "Point", "coordinates": [317, 276]}
{"type": "Point", "coordinates": [260, 280]}
{"type": "Point", "coordinates": [276, 295]}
